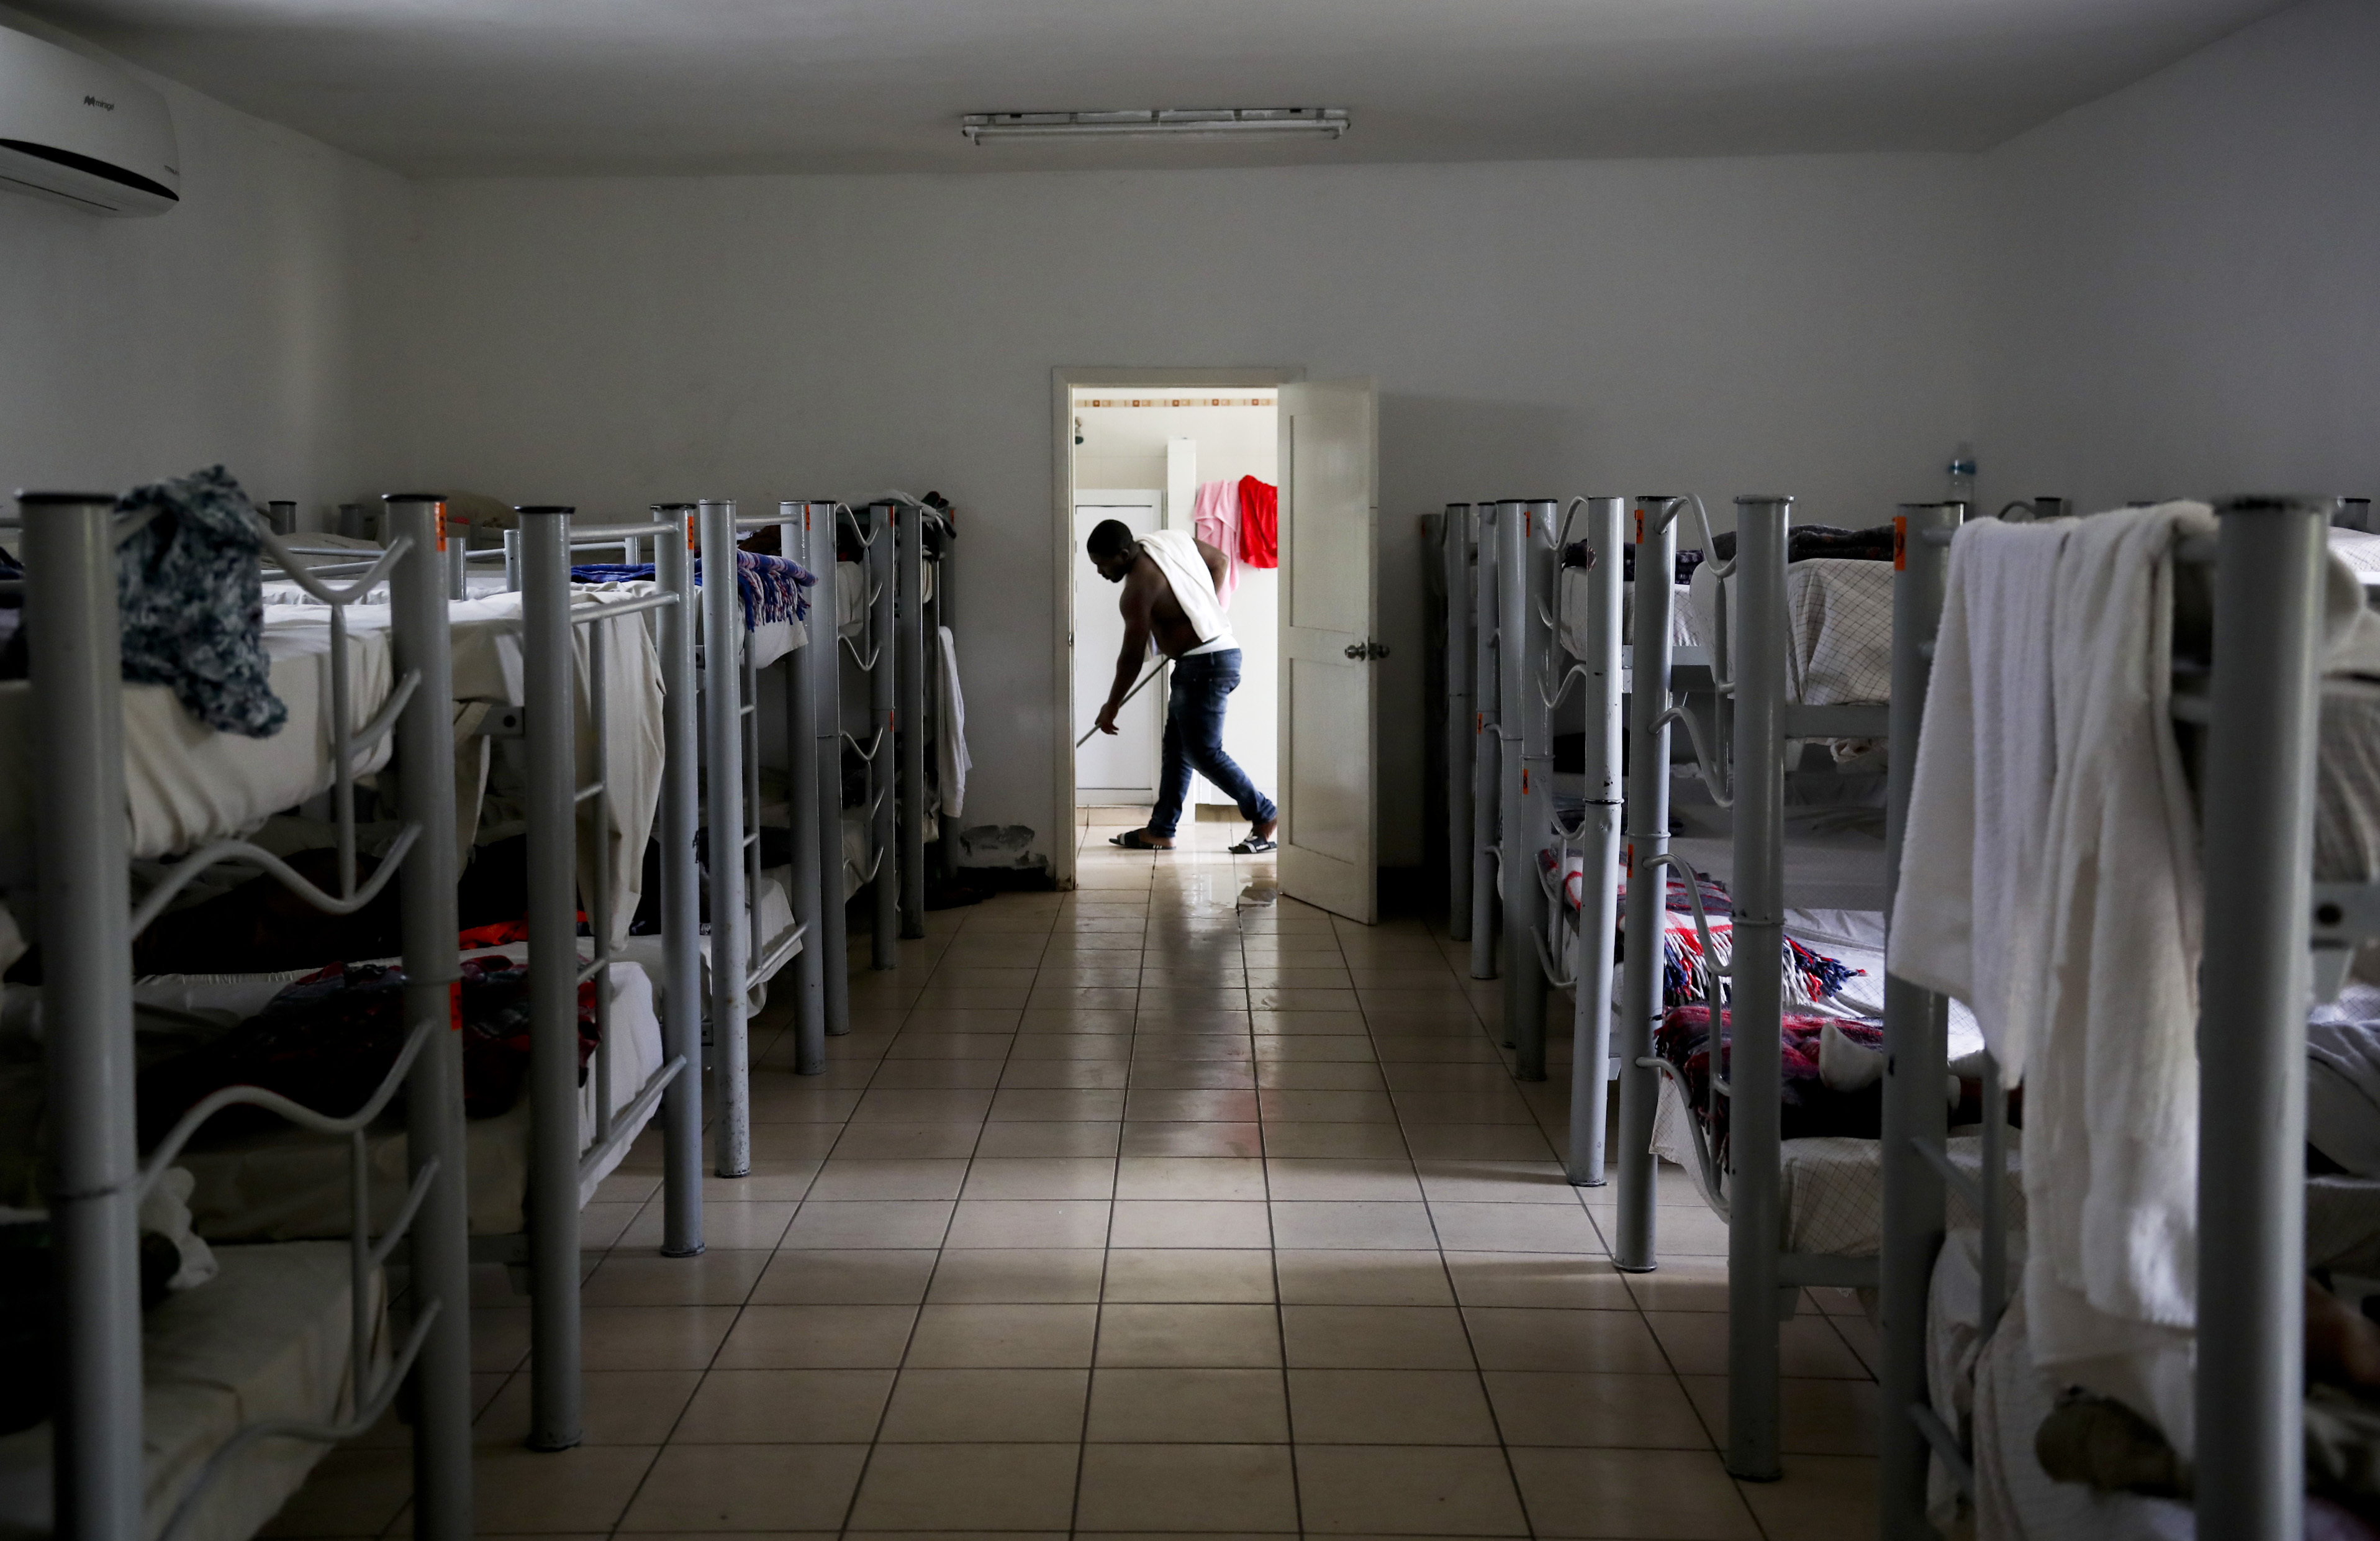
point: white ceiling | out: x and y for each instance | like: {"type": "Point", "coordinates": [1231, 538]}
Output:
{"type": "Point", "coordinates": [479, 87]}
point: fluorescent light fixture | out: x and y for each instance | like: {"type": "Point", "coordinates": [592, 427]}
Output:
{"type": "Point", "coordinates": [1161, 123]}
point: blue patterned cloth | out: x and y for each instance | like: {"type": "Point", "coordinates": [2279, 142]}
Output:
{"type": "Point", "coordinates": [772, 588]}
{"type": "Point", "coordinates": [191, 601]}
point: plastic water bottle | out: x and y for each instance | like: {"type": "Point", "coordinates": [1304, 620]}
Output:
{"type": "Point", "coordinates": [1963, 472]}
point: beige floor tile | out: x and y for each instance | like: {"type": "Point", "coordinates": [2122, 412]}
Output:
{"type": "Point", "coordinates": [1080, 1141]}
{"type": "Point", "coordinates": [1375, 1337]}
{"type": "Point", "coordinates": [1192, 1336]}
{"type": "Point", "coordinates": [499, 1336]}
{"type": "Point", "coordinates": [1620, 1412]}
{"type": "Point", "coordinates": [357, 1490]}
{"type": "Point", "coordinates": [788, 1102]}
{"type": "Point", "coordinates": [1821, 1499]}
{"type": "Point", "coordinates": [1613, 1341]}
{"type": "Point", "coordinates": [751, 1226]}
{"type": "Point", "coordinates": [1389, 1407]}
{"type": "Point", "coordinates": [1004, 1337]}
{"type": "Point", "coordinates": [1200, 1139]}
{"type": "Point", "coordinates": [724, 1487]}
{"type": "Point", "coordinates": [652, 1337]}
{"type": "Point", "coordinates": [874, 1277]}
{"type": "Point", "coordinates": [1042, 1178]}
{"type": "Point", "coordinates": [770, 1180]}
{"type": "Point", "coordinates": [1499, 1183]}
{"type": "Point", "coordinates": [908, 1142]}
{"type": "Point", "coordinates": [618, 1407]}
{"type": "Point", "coordinates": [1681, 1284]}
{"type": "Point", "coordinates": [869, 1223]}
{"type": "Point", "coordinates": [1329, 1108]}
{"type": "Point", "coordinates": [1057, 1106]}
{"type": "Point", "coordinates": [1029, 1223]}
{"type": "Point", "coordinates": [1190, 1223]}
{"type": "Point", "coordinates": [1071, 1073]}
{"type": "Point", "coordinates": [1178, 1406]}
{"type": "Point", "coordinates": [1300, 1180]}
{"type": "Point", "coordinates": [714, 1278]}
{"type": "Point", "coordinates": [1334, 1142]}
{"type": "Point", "coordinates": [1363, 1277]}
{"type": "Point", "coordinates": [1178, 1487]}
{"type": "Point", "coordinates": [1406, 1490]}
{"type": "Point", "coordinates": [1189, 1275]}
{"type": "Point", "coordinates": [811, 1407]}
{"type": "Point", "coordinates": [855, 1178]}
{"type": "Point", "coordinates": [1523, 1228]}
{"type": "Point", "coordinates": [1158, 1046]}
{"type": "Point", "coordinates": [1477, 1142]}
{"type": "Point", "coordinates": [1464, 1108]}
{"type": "Point", "coordinates": [972, 1406]}
{"type": "Point", "coordinates": [1807, 1345]}
{"type": "Point", "coordinates": [1203, 1106]}
{"type": "Point", "coordinates": [1308, 1024]}
{"type": "Point", "coordinates": [1194, 1075]}
{"type": "Point", "coordinates": [1040, 1030]}
{"type": "Point", "coordinates": [1319, 1075]}
{"type": "Point", "coordinates": [817, 1338]}
{"type": "Point", "coordinates": [1042, 1276]}
{"type": "Point", "coordinates": [1814, 1417]}
{"type": "Point", "coordinates": [1159, 1177]}
{"type": "Point", "coordinates": [1571, 1281]}
{"type": "Point", "coordinates": [1352, 1047]}
{"type": "Point", "coordinates": [1352, 1224]}
{"type": "Point", "coordinates": [941, 1487]}
{"type": "Point", "coordinates": [1661, 1495]}
{"type": "Point", "coordinates": [515, 1490]}
{"type": "Point", "coordinates": [933, 1075]}
{"type": "Point", "coordinates": [916, 1108]}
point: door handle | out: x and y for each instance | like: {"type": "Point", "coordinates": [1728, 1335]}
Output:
{"type": "Point", "coordinates": [1359, 652]}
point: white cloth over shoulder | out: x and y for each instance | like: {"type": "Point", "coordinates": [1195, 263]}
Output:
{"type": "Point", "coordinates": [1175, 552]}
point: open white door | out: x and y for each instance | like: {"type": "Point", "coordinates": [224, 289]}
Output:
{"type": "Point", "coordinates": [1329, 593]}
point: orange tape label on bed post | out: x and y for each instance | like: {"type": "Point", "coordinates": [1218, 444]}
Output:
{"type": "Point", "coordinates": [1899, 543]}
{"type": "Point", "coordinates": [455, 1006]}
{"type": "Point", "coordinates": [689, 532]}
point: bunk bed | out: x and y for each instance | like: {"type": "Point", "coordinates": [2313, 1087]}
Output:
{"type": "Point", "coordinates": [200, 1417]}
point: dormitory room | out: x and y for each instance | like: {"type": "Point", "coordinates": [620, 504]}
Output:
{"type": "Point", "coordinates": [928, 770]}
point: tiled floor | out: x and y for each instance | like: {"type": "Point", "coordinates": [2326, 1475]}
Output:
{"type": "Point", "coordinates": [1156, 1207]}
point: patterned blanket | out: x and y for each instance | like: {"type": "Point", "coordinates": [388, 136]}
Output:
{"type": "Point", "coordinates": [1809, 1106]}
{"type": "Point", "coordinates": [772, 588]}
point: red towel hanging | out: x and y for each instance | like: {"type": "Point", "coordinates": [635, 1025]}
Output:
{"type": "Point", "coordinates": [1259, 523]}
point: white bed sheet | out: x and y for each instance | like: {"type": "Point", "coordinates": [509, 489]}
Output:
{"type": "Point", "coordinates": [285, 1184]}
{"type": "Point", "coordinates": [185, 783]}
{"type": "Point", "coordinates": [1574, 614]}
{"type": "Point", "coordinates": [268, 1338]}
{"type": "Point", "coordinates": [776, 916]}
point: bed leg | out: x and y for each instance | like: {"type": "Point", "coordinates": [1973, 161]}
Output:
{"type": "Point", "coordinates": [1599, 849]}
{"type": "Point", "coordinates": [722, 753]}
{"type": "Point", "coordinates": [1647, 823]}
{"type": "Point", "coordinates": [801, 809]}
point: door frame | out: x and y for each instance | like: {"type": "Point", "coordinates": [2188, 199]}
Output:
{"type": "Point", "coordinates": [1063, 379]}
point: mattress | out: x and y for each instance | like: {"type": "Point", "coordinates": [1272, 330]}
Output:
{"type": "Point", "coordinates": [185, 784]}
{"type": "Point", "coordinates": [268, 1338]}
{"type": "Point", "coordinates": [775, 911]}
{"type": "Point", "coordinates": [1574, 614]}
{"type": "Point", "coordinates": [287, 1184]}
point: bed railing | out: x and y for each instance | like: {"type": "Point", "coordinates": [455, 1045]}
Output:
{"type": "Point", "coordinates": [86, 925]}
{"type": "Point", "coordinates": [560, 1162]}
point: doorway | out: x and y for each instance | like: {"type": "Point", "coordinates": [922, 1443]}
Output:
{"type": "Point", "coordinates": [1139, 448]}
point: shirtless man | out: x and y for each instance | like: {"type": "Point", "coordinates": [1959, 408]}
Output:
{"type": "Point", "coordinates": [1156, 573]}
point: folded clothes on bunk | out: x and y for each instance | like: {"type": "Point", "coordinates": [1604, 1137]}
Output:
{"type": "Point", "coordinates": [327, 1042]}
{"type": "Point", "coordinates": [772, 588]}
{"type": "Point", "coordinates": [1806, 543]}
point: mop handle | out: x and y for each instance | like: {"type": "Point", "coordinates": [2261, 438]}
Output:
{"type": "Point", "coordinates": [1153, 672]}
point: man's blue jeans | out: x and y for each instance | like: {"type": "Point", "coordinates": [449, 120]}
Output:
{"type": "Point", "coordinates": [1194, 740]}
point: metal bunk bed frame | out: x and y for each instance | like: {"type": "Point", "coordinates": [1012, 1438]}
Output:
{"type": "Point", "coordinates": [87, 926]}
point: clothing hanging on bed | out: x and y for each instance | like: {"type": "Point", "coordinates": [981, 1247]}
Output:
{"type": "Point", "coordinates": [191, 601]}
{"type": "Point", "coordinates": [1259, 523]}
{"type": "Point", "coordinates": [1215, 519]}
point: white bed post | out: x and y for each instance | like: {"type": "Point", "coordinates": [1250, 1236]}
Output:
{"type": "Point", "coordinates": [77, 671]}
{"type": "Point", "coordinates": [1485, 750]}
{"type": "Point", "coordinates": [680, 816]}
{"type": "Point", "coordinates": [2253, 994]}
{"type": "Point", "coordinates": [824, 659]}
{"type": "Point", "coordinates": [722, 753]}
{"type": "Point", "coordinates": [1647, 821]}
{"type": "Point", "coordinates": [1754, 1056]}
{"type": "Point", "coordinates": [882, 705]}
{"type": "Point", "coordinates": [1915, 1023]}
{"type": "Point", "coordinates": [439, 1243]}
{"type": "Point", "coordinates": [809, 896]}
{"type": "Point", "coordinates": [1455, 551]}
{"type": "Point", "coordinates": [548, 680]}
{"type": "Point", "coordinates": [1598, 838]}
{"type": "Point", "coordinates": [909, 684]}
{"type": "Point", "coordinates": [1527, 789]}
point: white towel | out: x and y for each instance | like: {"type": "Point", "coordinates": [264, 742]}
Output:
{"type": "Point", "coordinates": [1175, 552]}
{"type": "Point", "coordinates": [1970, 915]}
{"type": "Point", "coordinates": [953, 762]}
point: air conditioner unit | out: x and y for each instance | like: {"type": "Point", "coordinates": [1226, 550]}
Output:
{"type": "Point", "coordinates": [76, 130]}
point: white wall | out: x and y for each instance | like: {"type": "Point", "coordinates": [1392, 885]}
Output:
{"type": "Point", "coordinates": [1793, 324]}
{"type": "Point", "coordinates": [2184, 291]}
{"type": "Point", "coordinates": [238, 328]}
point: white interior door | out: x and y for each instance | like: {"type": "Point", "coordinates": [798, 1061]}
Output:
{"type": "Point", "coordinates": [1330, 594]}
{"type": "Point", "coordinates": [1123, 769]}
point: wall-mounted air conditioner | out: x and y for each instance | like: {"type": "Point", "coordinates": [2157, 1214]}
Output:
{"type": "Point", "coordinates": [74, 130]}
